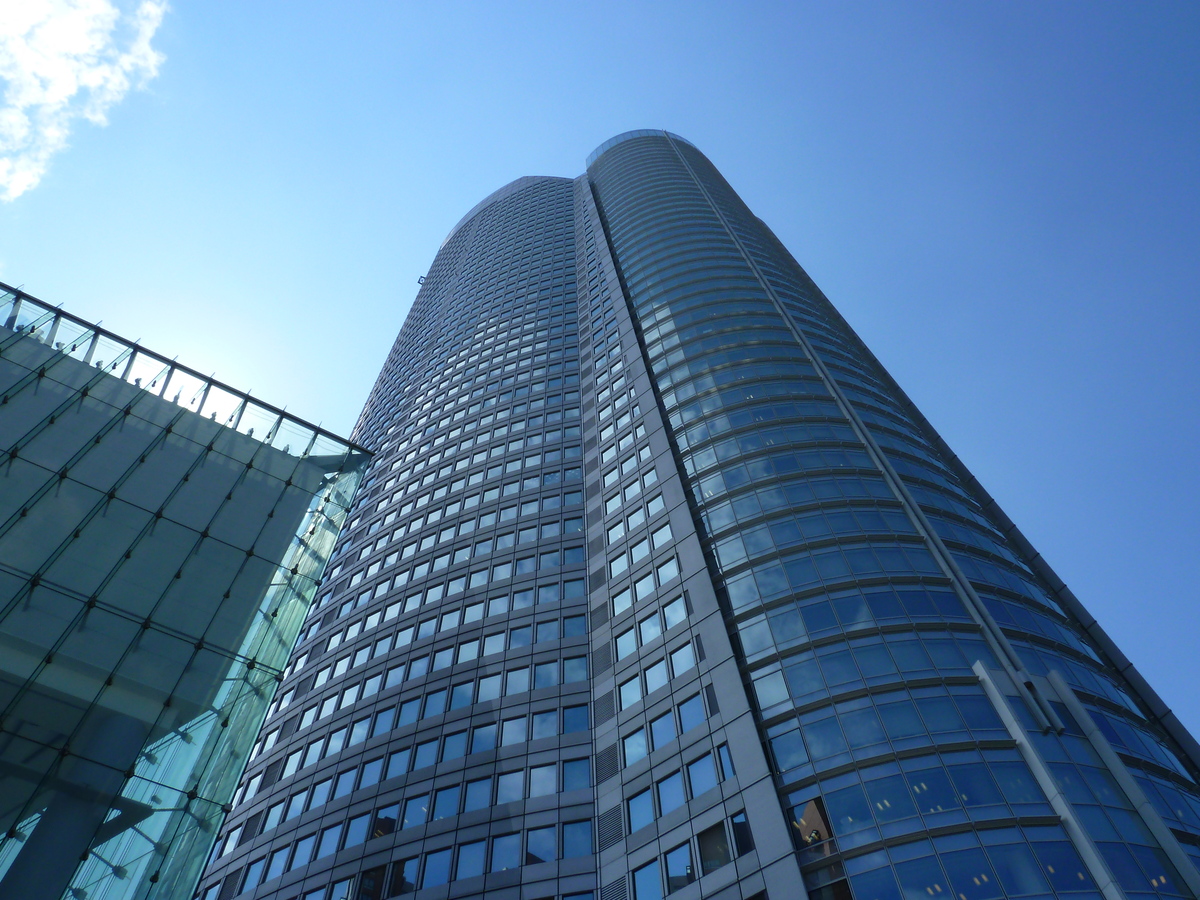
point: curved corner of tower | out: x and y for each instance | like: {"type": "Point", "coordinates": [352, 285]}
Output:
{"type": "Point", "coordinates": [509, 189]}
{"type": "Point", "coordinates": [630, 135]}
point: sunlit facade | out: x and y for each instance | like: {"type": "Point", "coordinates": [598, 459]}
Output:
{"type": "Point", "coordinates": [659, 585]}
{"type": "Point", "coordinates": [161, 538]}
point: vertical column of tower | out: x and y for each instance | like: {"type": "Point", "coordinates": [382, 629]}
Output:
{"type": "Point", "coordinates": [433, 728]}
{"type": "Point", "coordinates": [683, 786]}
{"type": "Point", "coordinates": [859, 603]}
{"type": "Point", "coordinates": [1037, 625]}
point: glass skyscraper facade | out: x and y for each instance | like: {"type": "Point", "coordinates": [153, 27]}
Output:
{"type": "Point", "coordinates": [659, 585]}
{"type": "Point", "coordinates": [157, 559]}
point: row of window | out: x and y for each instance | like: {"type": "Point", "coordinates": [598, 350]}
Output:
{"type": "Point", "coordinates": [651, 627]}
{"type": "Point", "coordinates": [517, 409]}
{"type": "Point", "coordinates": [510, 438]}
{"type": "Point", "coordinates": [755, 441]}
{"type": "Point", "coordinates": [552, 337]}
{"type": "Point", "coordinates": [467, 860]}
{"type": "Point", "coordinates": [663, 729]}
{"type": "Point", "coordinates": [989, 864]}
{"type": "Point", "coordinates": [545, 503]}
{"type": "Point", "coordinates": [545, 530]}
{"type": "Point", "coordinates": [1013, 615]}
{"type": "Point", "coordinates": [631, 491]}
{"type": "Point", "coordinates": [515, 729]}
{"type": "Point", "coordinates": [635, 519]}
{"type": "Point", "coordinates": [800, 622]}
{"type": "Point", "coordinates": [877, 725]}
{"type": "Point", "coordinates": [489, 495]}
{"type": "Point", "coordinates": [516, 413]}
{"type": "Point", "coordinates": [523, 598]}
{"type": "Point", "coordinates": [507, 466]}
{"type": "Point", "coordinates": [465, 388]}
{"type": "Point", "coordinates": [766, 410]}
{"type": "Point", "coordinates": [621, 422]}
{"type": "Point", "coordinates": [641, 549]}
{"type": "Point", "coordinates": [782, 465]}
{"type": "Point", "coordinates": [1080, 674]}
{"type": "Point", "coordinates": [655, 675]}
{"type": "Point", "coordinates": [915, 794]}
{"type": "Point", "coordinates": [780, 534]}
{"type": "Point", "coordinates": [569, 670]}
{"type": "Point", "coordinates": [627, 465]}
{"type": "Point", "coordinates": [670, 792]}
{"type": "Point", "coordinates": [870, 661]}
{"type": "Point", "coordinates": [423, 804]}
{"type": "Point", "coordinates": [992, 573]}
{"type": "Point", "coordinates": [977, 538]}
{"type": "Point", "coordinates": [503, 423]}
{"type": "Point", "coordinates": [792, 494]}
{"type": "Point", "coordinates": [806, 570]}
{"type": "Point", "coordinates": [407, 435]}
{"type": "Point", "coordinates": [625, 442]}
{"type": "Point", "coordinates": [677, 868]}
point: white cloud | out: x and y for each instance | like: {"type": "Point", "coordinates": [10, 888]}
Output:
{"type": "Point", "coordinates": [63, 60]}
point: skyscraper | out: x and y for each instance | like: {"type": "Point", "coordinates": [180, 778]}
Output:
{"type": "Point", "coordinates": [659, 584]}
{"type": "Point", "coordinates": [157, 558]}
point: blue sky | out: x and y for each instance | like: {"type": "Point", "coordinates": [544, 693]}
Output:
{"type": "Point", "coordinates": [1001, 198]}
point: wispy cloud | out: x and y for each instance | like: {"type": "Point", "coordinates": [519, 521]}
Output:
{"type": "Point", "coordinates": [60, 61]}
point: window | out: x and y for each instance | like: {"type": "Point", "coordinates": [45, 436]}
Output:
{"type": "Point", "coordinates": [635, 746]}
{"type": "Point", "coordinates": [631, 692]}
{"type": "Point", "coordinates": [510, 786]}
{"type": "Point", "coordinates": [742, 838]}
{"type": "Point", "coordinates": [415, 811]}
{"type": "Point", "coordinates": [683, 659]}
{"type": "Point", "coordinates": [670, 793]}
{"type": "Point", "coordinates": [356, 830]}
{"type": "Point", "coordinates": [702, 775]}
{"type": "Point", "coordinates": [574, 669]}
{"type": "Point", "coordinates": [577, 774]}
{"type": "Point", "coordinates": [626, 643]}
{"type": "Point", "coordinates": [575, 718]}
{"type": "Point", "coordinates": [471, 859]}
{"type": "Point", "coordinates": [680, 871]}
{"type": "Point", "coordinates": [543, 780]}
{"type": "Point", "coordinates": [656, 676]}
{"type": "Point", "coordinates": [662, 730]}
{"type": "Point", "coordinates": [641, 810]}
{"type": "Point", "coordinates": [674, 612]}
{"type": "Point", "coordinates": [478, 794]}
{"type": "Point", "coordinates": [647, 884]}
{"type": "Point", "coordinates": [404, 877]}
{"type": "Point", "coordinates": [506, 852]}
{"type": "Point", "coordinates": [303, 852]}
{"type": "Point", "coordinates": [577, 839]}
{"type": "Point", "coordinates": [446, 802]}
{"type": "Point", "coordinates": [385, 820]}
{"type": "Point", "coordinates": [714, 848]}
{"type": "Point", "coordinates": [329, 840]}
{"type": "Point", "coordinates": [437, 868]}
{"type": "Point", "coordinates": [541, 845]}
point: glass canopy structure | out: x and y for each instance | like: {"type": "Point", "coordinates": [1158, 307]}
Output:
{"type": "Point", "coordinates": [161, 539]}
{"type": "Point", "coordinates": [659, 585]}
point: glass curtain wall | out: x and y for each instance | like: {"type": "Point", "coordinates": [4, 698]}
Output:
{"type": "Point", "coordinates": [433, 732]}
{"type": "Point", "coordinates": [660, 586]}
{"type": "Point", "coordinates": [868, 586]}
{"type": "Point", "coordinates": [156, 562]}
